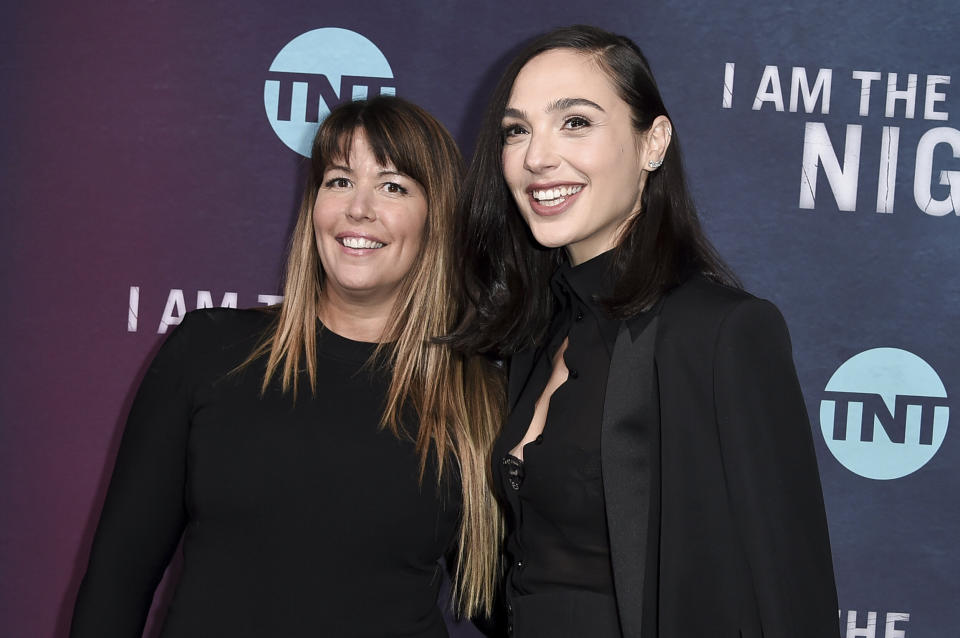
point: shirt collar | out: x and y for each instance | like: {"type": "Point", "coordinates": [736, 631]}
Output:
{"type": "Point", "coordinates": [581, 286]}
{"type": "Point", "coordinates": [589, 281]}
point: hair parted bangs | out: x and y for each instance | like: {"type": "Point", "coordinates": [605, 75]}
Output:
{"type": "Point", "coordinates": [458, 399]}
{"type": "Point", "coordinates": [411, 140]}
{"type": "Point", "coordinates": [335, 140]}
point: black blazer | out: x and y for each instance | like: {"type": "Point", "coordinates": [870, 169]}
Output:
{"type": "Point", "coordinates": [714, 506]}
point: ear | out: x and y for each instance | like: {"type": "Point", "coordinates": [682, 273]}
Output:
{"type": "Point", "coordinates": [656, 141]}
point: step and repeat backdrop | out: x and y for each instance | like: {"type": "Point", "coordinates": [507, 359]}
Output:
{"type": "Point", "coordinates": [152, 156]}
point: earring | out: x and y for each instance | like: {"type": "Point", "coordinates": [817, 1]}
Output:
{"type": "Point", "coordinates": [655, 163]}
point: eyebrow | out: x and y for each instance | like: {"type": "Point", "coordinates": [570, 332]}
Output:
{"type": "Point", "coordinates": [558, 105]}
{"type": "Point", "coordinates": [347, 169]}
{"type": "Point", "coordinates": [569, 102]}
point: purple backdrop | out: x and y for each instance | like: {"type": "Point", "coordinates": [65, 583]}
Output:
{"type": "Point", "coordinates": [138, 152]}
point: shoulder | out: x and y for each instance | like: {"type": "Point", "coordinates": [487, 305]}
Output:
{"type": "Point", "coordinates": [227, 322]}
{"type": "Point", "coordinates": [209, 331]}
{"type": "Point", "coordinates": [703, 294]}
{"type": "Point", "coordinates": [708, 312]}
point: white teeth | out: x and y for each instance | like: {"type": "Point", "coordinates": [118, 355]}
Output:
{"type": "Point", "coordinates": [550, 194]}
{"type": "Point", "coordinates": [360, 242]}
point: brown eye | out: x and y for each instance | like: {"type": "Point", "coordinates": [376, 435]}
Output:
{"type": "Point", "coordinates": [337, 182]}
{"type": "Point", "coordinates": [512, 130]}
{"type": "Point", "coordinates": [576, 122]}
{"type": "Point", "coordinates": [393, 187]}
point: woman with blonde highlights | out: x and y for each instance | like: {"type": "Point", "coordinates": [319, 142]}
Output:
{"type": "Point", "coordinates": [320, 458]}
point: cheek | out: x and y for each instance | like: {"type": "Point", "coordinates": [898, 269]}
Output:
{"type": "Point", "coordinates": [616, 174]}
{"type": "Point", "coordinates": [410, 226]}
{"type": "Point", "coordinates": [320, 216]}
{"type": "Point", "coordinates": [599, 161]}
{"type": "Point", "coordinates": [512, 161]}
{"type": "Point", "coordinates": [318, 228]}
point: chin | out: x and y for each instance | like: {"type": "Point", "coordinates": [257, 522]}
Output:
{"type": "Point", "coordinates": [550, 238]}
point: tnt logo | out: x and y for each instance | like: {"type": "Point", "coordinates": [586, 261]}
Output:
{"type": "Point", "coordinates": [884, 413]}
{"type": "Point", "coordinates": [314, 73]}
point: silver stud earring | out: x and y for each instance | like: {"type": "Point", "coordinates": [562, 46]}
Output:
{"type": "Point", "coordinates": [655, 163]}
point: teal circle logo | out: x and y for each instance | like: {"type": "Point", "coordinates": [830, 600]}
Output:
{"type": "Point", "coordinates": [315, 72]}
{"type": "Point", "coordinates": [884, 413]}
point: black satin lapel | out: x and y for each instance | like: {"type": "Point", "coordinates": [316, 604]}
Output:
{"type": "Point", "coordinates": [629, 443]}
{"type": "Point", "coordinates": [521, 365]}
{"type": "Point", "coordinates": [638, 323]}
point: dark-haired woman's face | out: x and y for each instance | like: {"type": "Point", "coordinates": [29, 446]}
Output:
{"type": "Point", "coordinates": [571, 156]}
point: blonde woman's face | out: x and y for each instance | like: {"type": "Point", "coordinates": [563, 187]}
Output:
{"type": "Point", "coordinates": [369, 221]}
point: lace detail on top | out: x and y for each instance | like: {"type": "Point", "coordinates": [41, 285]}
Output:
{"type": "Point", "coordinates": [514, 467]}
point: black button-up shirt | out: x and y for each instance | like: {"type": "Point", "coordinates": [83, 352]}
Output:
{"type": "Point", "coordinates": [557, 534]}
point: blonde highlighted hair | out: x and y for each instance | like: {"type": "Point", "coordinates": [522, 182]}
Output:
{"type": "Point", "coordinates": [458, 399]}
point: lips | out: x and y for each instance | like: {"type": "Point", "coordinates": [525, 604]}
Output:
{"type": "Point", "coordinates": [359, 244]}
{"type": "Point", "coordinates": [555, 195]}
{"type": "Point", "coordinates": [552, 199]}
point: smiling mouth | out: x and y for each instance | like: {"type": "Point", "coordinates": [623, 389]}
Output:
{"type": "Point", "coordinates": [359, 242]}
{"type": "Point", "coordinates": [554, 196]}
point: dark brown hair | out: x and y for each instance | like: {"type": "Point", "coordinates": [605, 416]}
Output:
{"type": "Point", "coordinates": [507, 273]}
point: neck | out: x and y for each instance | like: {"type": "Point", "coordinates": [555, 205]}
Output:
{"type": "Point", "coordinates": [356, 319]}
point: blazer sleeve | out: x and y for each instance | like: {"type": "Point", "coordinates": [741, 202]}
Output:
{"type": "Point", "coordinates": [771, 472]}
{"type": "Point", "coordinates": [144, 514]}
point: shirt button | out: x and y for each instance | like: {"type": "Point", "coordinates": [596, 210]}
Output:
{"type": "Point", "coordinates": [519, 564]}
{"type": "Point", "coordinates": [574, 374]}
{"type": "Point", "coordinates": [579, 316]}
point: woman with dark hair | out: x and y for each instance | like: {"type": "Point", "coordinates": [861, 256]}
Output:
{"type": "Point", "coordinates": [319, 458]}
{"type": "Point", "coordinates": [657, 467]}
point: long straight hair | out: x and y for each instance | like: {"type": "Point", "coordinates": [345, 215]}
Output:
{"type": "Point", "coordinates": [506, 279]}
{"type": "Point", "coordinates": [458, 399]}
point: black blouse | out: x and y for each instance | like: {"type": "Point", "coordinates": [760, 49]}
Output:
{"type": "Point", "coordinates": [299, 518]}
{"type": "Point", "coordinates": [557, 540]}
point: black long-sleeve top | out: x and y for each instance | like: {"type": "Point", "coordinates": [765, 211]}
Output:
{"type": "Point", "coordinates": [557, 540]}
{"type": "Point", "coordinates": [298, 518]}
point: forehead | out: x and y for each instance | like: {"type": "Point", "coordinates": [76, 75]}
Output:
{"type": "Point", "coordinates": [559, 74]}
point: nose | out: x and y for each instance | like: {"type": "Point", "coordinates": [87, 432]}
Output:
{"type": "Point", "coordinates": [361, 206]}
{"type": "Point", "coordinates": [541, 154]}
